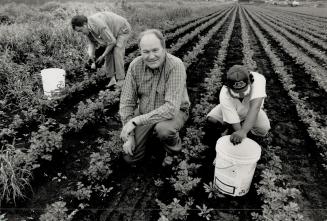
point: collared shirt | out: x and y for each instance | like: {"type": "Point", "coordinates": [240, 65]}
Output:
{"type": "Point", "coordinates": [233, 109]}
{"type": "Point", "coordinates": [157, 93]}
{"type": "Point", "coordinates": [105, 27]}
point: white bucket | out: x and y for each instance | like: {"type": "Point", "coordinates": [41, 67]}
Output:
{"type": "Point", "coordinates": [53, 79]}
{"type": "Point", "coordinates": [235, 165]}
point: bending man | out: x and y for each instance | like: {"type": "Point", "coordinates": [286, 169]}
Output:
{"type": "Point", "coordinates": [109, 30]}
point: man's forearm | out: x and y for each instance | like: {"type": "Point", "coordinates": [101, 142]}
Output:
{"type": "Point", "coordinates": [250, 120]}
{"type": "Point", "coordinates": [236, 126]}
{"type": "Point", "coordinates": [108, 49]}
{"type": "Point", "coordinates": [255, 106]}
{"type": "Point", "coordinates": [91, 49]}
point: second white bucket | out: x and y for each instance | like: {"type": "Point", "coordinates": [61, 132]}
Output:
{"type": "Point", "coordinates": [235, 165]}
{"type": "Point", "coordinates": [53, 79]}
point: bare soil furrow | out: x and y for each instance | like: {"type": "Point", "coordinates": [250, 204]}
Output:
{"type": "Point", "coordinates": [308, 89]}
{"type": "Point", "coordinates": [301, 162]}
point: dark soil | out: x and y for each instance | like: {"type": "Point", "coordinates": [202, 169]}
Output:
{"type": "Point", "coordinates": [300, 160]}
{"type": "Point", "coordinates": [134, 190]}
{"type": "Point", "coordinates": [305, 86]}
{"type": "Point", "coordinates": [78, 148]}
{"type": "Point", "coordinates": [297, 45]}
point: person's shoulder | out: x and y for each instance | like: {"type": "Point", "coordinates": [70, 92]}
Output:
{"type": "Point", "coordinates": [257, 75]}
{"type": "Point", "coordinates": [94, 20]}
{"type": "Point", "coordinates": [174, 61]}
{"type": "Point", "coordinates": [224, 91]}
{"type": "Point", "coordinates": [137, 62]}
{"type": "Point", "coordinates": [173, 58]}
{"type": "Point", "coordinates": [94, 16]}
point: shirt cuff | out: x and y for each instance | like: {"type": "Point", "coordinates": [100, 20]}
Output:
{"type": "Point", "coordinates": [139, 120]}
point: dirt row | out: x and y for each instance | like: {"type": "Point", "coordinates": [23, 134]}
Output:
{"type": "Point", "coordinates": [314, 47]}
{"type": "Point", "coordinates": [297, 150]}
{"type": "Point", "coordinates": [72, 163]}
{"type": "Point", "coordinates": [305, 86]}
{"type": "Point", "coordinates": [292, 29]}
{"type": "Point", "coordinates": [134, 190]}
{"type": "Point", "coordinates": [141, 204]}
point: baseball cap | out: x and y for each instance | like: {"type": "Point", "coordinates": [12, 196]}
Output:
{"type": "Point", "coordinates": [238, 77]}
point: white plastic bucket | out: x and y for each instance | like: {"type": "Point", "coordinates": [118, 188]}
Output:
{"type": "Point", "coordinates": [53, 79]}
{"type": "Point", "coordinates": [235, 165]}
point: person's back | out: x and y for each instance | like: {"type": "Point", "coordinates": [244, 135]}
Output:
{"type": "Point", "coordinates": [108, 19]}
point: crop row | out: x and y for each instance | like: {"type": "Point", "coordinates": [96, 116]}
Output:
{"type": "Point", "coordinates": [312, 20]}
{"type": "Point", "coordinates": [273, 195]}
{"type": "Point", "coordinates": [177, 32]}
{"type": "Point", "coordinates": [36, 113]}
{"type": "Point", "coordinates": [99, 168]}
{"type": "Point", "coordinates": [194, 33]}
{"type": "Point", "coordinates": [316, 132]}
{"type": "Point", "coordinates": [299, 31]}
{"type": "Point", "coordinates": [297, 24]}
{"type": "Point", "coordinates": [311, 67]}
{"type": "Point", "coordinates": [87, 112]}
{"type": "Point", "coordinates": [184, 180]}
{"type": "Point", "coordinates": [318, 54]}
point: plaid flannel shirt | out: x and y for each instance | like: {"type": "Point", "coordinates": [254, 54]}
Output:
{"type": "Point", "coordinates": [157, 93]}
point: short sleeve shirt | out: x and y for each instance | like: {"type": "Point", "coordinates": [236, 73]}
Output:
{"type": "Point", "coordinates": [235, 110]}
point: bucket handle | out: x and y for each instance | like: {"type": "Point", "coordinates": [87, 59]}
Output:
{"type": "Point", "coordinates": [232, 164]}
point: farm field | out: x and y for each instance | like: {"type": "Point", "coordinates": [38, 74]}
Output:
{"type": "Point", "coordinates": [60, 159]}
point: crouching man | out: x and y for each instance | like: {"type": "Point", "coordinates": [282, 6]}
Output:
{"type": "Point", "coordinates": [241, 102]}
{"type": "Point", "coordinates": [154, 99]}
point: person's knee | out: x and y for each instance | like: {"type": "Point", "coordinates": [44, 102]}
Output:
{"type": "Point", "coordinates": [164, 132]}
{"type": "Point", "coordinates": [261, 131]}
{"type": "Point", "coordinates": [212, 120]}
{"type": "Point", "coordinates": [131, 160]}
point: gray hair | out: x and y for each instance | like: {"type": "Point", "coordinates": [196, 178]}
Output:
{"type": "Point", "coordinates": [157, 33]}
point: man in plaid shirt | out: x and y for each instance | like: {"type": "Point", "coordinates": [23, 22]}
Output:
{"type": "Point", "coordinates": [154, 99]}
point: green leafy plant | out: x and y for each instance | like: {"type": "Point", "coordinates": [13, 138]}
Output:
{"type": "Point", "coordinates": [184, 183]}
{"type": "Point", "coordinates": [204, 211]}
{"type": "Point", "coordinates": [43, 143]}
{"type": "Point", "coordinates": [57, 211]}
{"type": "Point", "coordinates": [103, 190]}
{"type": "Point", "coordinates": [100, 162]}
{"type": "Point", "coordinates": [15, 174]}
{"type": "Point", "coordinates": [212, 191]}
{"type": "Point", "coordinates": [83, 192]}
{"type": "Point", "coordinates": [174, 210]}
{"type": "Point", "coordinates": [158, 182]}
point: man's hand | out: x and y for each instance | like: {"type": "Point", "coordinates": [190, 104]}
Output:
{"type": "Point", "coordinates": [126, 131]}
{"type": "Point", "coordinates": [129, 145]}
{"type": "Point", "coordinates": [120, 83]}
{"type": "Point", "coordinates": [99, 60]}
{"type": "Point", "coordinates": [237, 137]}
